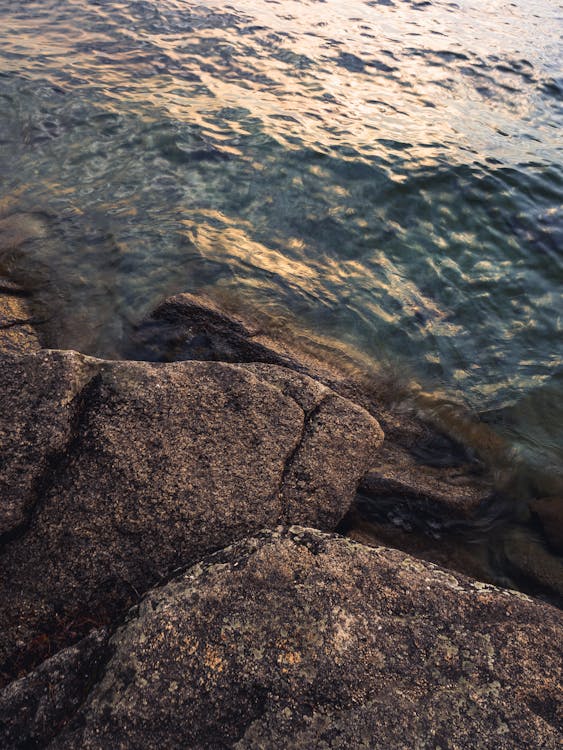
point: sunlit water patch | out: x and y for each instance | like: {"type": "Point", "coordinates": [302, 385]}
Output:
{"type": "Point", "coordinates": [388, 172]}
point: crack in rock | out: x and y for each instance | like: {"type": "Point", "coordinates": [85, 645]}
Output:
{"type": "Point", "coordinates": [36, 439]}
{"type": "Point", "coordinates": [293, 457]}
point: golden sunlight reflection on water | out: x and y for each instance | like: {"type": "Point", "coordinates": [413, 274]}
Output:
{"type": "Point", "coordinates": [387, 171]}
{"type": "Point", "coordinates": [350, 74]}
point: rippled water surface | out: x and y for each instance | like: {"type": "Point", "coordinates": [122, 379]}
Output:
{"type": "Point", "coordinates": [387, 171]}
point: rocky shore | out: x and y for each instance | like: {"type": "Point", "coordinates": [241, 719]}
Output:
{"type": "Point", "coordinates": [171, 576]}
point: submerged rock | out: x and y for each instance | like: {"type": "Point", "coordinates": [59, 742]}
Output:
{"type": "Point", "coordinates": [17, 331]}
{"type": "Point", "coordinates": [189, 326]}
{"type": "Point", "coordinates": [549, 511]}
{"type": "Point", "coordinates": [530, 560]}
{"type": "Point", "coordinates": [118, 472]}
{"type": "Point", "coordinates": [443, 493]}
{"type": "Point", "coordinates": [295, 638]}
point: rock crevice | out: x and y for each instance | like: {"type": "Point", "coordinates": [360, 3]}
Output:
{"type": "Point", "coordinates": [293, 457]}
{"type": "Point", "coordinates": [35, 435]}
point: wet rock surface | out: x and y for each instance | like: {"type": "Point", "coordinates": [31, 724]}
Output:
{"type": "Point", "coordinates": [128, 469]}
{"type": "Point", "coordinates": [17, 331]}
{"type": "Point", "coordinates": [447, 492]}
{"type": "Point", "coordinates": [296, 638]}
{"type": "Point", "coordinates": [189, 326]}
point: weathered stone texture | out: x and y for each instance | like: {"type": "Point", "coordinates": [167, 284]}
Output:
{"type": "Point", "coordinates": [38, 402]}
{"type": "Point", "coordinates": [17, 332]}
{"type": "Point", "coordinates": [152, 466]}
{"type": "Point", "coordinates": [300, 639]}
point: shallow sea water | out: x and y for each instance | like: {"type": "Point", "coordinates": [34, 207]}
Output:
{"type": "Point", "coordinates": [388, 173]}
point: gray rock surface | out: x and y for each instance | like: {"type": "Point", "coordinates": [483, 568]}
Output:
{"type": "Point", "coordinates": [125, 470]}
{"type": "Point", "coordinates": [295, 638]}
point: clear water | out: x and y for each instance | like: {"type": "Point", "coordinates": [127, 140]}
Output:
{"type": "Point", "coordinates": [388, 172]}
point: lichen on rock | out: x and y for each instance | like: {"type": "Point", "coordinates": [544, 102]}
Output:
{"type": "Point", "coordinates": [295, 638]}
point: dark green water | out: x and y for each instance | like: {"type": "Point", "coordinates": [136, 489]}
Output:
{"type": "Point", "coordinates": [388, 173]}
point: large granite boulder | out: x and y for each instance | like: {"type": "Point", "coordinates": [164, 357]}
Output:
{"type": "Point", "coordinates": [423, 470]}
{"type": "Point", "coordinates": [295, 638]}
{"type": "Point", "coordinates": [119, 472]}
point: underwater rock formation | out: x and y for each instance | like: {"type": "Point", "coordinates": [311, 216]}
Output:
{"type": "Point", "coordinates": [17, 331]}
